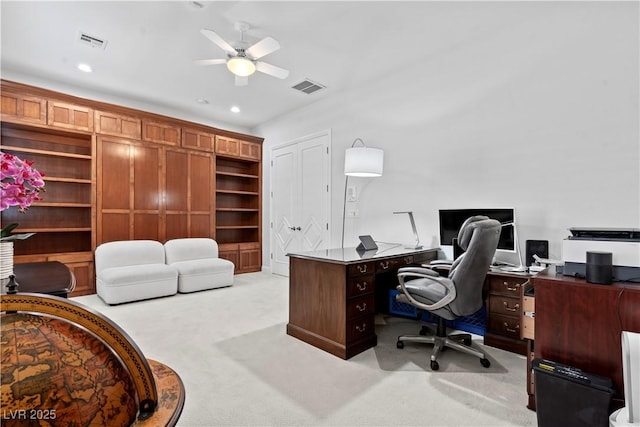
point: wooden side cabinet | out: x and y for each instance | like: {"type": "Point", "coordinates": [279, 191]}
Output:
{"type": "Point", "coordinates": [504, 306]}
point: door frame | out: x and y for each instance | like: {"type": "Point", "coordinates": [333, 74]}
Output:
{"type": "Point", "coordinates": [296, 141]}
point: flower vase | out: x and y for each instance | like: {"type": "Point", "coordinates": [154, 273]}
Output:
{"type": "Point", "coordinates": [6, 260]}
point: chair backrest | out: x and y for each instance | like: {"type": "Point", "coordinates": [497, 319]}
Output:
{"type": "Point", "coordinates": [188, 249]}
{"type": "Point", "coordinates": [479, 237]}
{"type": "Point", "coordinates": [128, 252]}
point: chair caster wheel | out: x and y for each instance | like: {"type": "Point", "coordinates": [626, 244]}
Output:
{"type": "Point", "coordinates": [434, 365]}
{"type": "Point", "coordinates": [400, 344]}
{"type": "Point", "coordinates": [485, 363]}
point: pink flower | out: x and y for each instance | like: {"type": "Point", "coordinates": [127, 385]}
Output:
{"type": "Point", "coordinates": [20, 183]}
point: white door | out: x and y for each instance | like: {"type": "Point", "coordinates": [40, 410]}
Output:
{"type": "Point", "coordinates": [300, 196]}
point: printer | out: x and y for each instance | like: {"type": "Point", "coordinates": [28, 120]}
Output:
{"type": "Point", "coordinates": [622, 243]}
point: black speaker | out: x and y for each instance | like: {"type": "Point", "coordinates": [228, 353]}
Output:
{"type": "Point", "coordinates": [536, 247]}
{"type": "Point", "coordinates": [600, 267]}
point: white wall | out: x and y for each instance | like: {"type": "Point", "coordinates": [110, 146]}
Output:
{"type": "Point", "coordinates": [542, 117]}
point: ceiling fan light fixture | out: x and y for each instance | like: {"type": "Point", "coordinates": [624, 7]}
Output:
{"type": "Point", "coordinates": [241, 66]}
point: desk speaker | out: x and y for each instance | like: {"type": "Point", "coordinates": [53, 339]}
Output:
{"type": "Point", "coordinates": [600, 267]}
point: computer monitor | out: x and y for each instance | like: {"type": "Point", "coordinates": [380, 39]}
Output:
{"type": "Point", "coordinates": [451, 220]}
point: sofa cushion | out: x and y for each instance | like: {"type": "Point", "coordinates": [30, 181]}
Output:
{"type": "Point", "coordinates": [128, 252]}
{"type": "Point", "coordinates": [186, 249]}
{"type": "Point", "coordinates": [122, 276]}
{"type": "Point", "coordinates": [200, 274]}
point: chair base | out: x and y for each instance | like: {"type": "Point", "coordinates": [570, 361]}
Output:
{"type": "Point", "coordinates": [440, 341]}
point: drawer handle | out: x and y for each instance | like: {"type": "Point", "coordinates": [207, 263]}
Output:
{"type": "Point", "coordinates": [512, 330]}
{"type": "Point", "coordinates": [509, 287]}
{"type": "Point", "coordinates": [362, 269]}
{"type": "Point", "coordinates": [362, 308]}
{"type": "Point", "coordinates": [384, 265]}
{"type": "Point", "coordinates": [361, 328]}
{"type": "Point", "coordinates": [514, 308]}
{"type": "Point", "coordinates": [361, 287]}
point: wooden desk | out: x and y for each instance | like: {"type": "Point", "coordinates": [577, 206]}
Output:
{"type": "Point", "coordinates": [580, 324]}
{"type": "Point", "coordinates": [332, 294]}
{"type": "Point", "coordinates": [51, 277]}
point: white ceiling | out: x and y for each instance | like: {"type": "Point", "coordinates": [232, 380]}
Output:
{"type": "Point", "coordinates": [152, 45]}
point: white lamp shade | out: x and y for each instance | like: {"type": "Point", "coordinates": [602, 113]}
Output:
{"type": "Point", "coordinates": [363, 161]}
{"type": "Point", "coordinates": [241, 66]}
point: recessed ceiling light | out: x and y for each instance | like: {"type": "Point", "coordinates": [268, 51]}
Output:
{"type": "Point", "coordinates": [202, 101]}
{"type": "Point", "coordinates": [235, 109]}
{"type": "Point", "coordinates": [85, 67]}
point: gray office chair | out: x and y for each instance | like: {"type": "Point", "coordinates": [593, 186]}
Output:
{"type": "Point", "coordinates": [458, 294]}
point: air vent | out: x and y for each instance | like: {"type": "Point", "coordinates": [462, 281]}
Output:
{"type": "Point", "coordinates": [92, 41]}
{"type": "Point", "coordinates": [308, 87]}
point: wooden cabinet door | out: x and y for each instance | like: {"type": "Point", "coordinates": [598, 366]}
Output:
{"type": "Point", "coordinates": [161, 133]}
{"type": "Point", "coordinates": [70, 116]}
{"type": "Point", "coordinates": [227, 146]}
{"type": "Point", "coordinates": [189, 194]}
{"type": "Point", "coordinates": [23, 108]}
{"type": "Point", "coordinates": [129, 190]}
{"type": "Point", "coordinates": [250, 257]}
{"type": "Point", "coordinates": [107, 123]}
{"type": "Point", "coordinates": [250, 150]}
{"type": "Point", "coordinates": [198, 140]}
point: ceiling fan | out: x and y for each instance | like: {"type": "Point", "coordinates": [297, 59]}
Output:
{"type": "Point", "coordinates": [242, 61]}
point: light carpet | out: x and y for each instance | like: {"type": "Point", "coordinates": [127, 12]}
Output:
{"type": "Point", "coordinates": [240, 368]}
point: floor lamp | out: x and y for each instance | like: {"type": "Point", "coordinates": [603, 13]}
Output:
{"type": "Point", "coordinates": [360, 161]}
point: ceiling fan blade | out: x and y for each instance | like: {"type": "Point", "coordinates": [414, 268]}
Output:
{"type": "Point", "coordinates": [272, 70]}
{"type": "Point", "coordinates": [214, 37]}
{"type": "Point", "coordinates": [242, 80]}
{"type": "Point", "coordinates": [263, 47]}
{"type": "Point", "coordinates": [210, 61]}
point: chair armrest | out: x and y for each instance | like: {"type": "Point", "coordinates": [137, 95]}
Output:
{"type": "Point", "coordinates": [432, 276]}
{"type": "Point", "coordinates": [417, 271]}
{"type": "Point", "coordinates": [441, 262]}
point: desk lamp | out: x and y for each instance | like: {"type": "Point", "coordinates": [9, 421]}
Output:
{"type": "Point", "coordinates": [417, 245]}
{"type": "Point", "coordinates": [360, 161]}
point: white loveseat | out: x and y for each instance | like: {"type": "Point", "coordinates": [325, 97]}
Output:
{"type": "Point", "coordinates": [133, 270]}
{"type": "Point", "coordinates": [198, 264]}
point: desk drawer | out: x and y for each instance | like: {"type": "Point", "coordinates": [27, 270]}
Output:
{"type": "Point", "coordinates": [361, 306]}
{"type": "Point", "coordinates": [390, 264]}
{"type": "Point", "coordinates": [505, 325]}
{"type": "Point", "coordinates": [504, 305]}
{"type": "Point", "coordinates": [360, 328]}
{"type": "Point", "coordinates": [362, 268]}
{"type": "Point", "coordinates": [506, 285]}
{"type": "Point", "coordinates": [360, 285]}
{"type": "Point", "coordinates": [528, 317]}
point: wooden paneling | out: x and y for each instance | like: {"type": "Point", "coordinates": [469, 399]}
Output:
{"type": "Point", "coordinates": [114, 177]}
{"type": "Point", "coordinates": [21, 108]}
{"type": "Point", "coordinates": [115, 173]}
{"type": "Point", "coordinates": [146, 178]}
{"type": "Point", "coordinates": [70, 116]}
{"type": "Point", "coordinates": [107, 123]}
{"type": "Point", "coordinates": [113, 226]}
{"type": "Point", "coordinates": [161, 133]}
